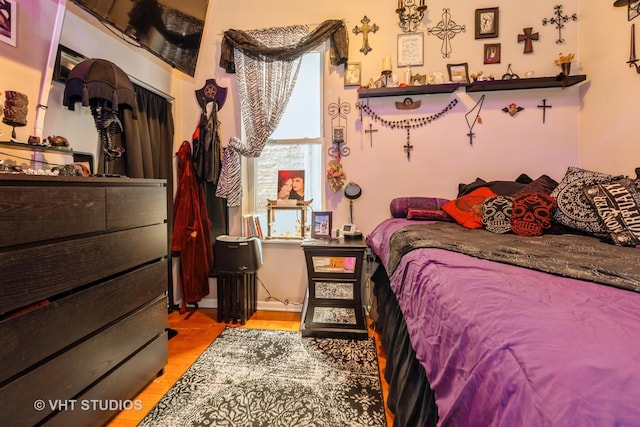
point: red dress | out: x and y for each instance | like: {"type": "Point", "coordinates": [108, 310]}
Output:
{"type": "Point", "coordinates": [191, 226]}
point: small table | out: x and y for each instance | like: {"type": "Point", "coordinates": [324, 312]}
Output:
{"type": "Point", "coordinates": [333, 302]}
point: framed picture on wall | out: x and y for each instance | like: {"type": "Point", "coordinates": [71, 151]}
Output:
{"type": "Point", "coordinates": [352, 73]}
{"type": "Point", "coordinates": [321, 225]}
{"type": "Point", "coordinates": [65, 61]}
{"type": "Point", "coordinates": [410, 49]}
{"type": "Point", "coordinates": [458, 73]}
{"type": "Point", "coordinates": [8, 22]}
{"type": "Point", "coordinates": [492, 53]}
{"type": "Point", "coordinates": [487, 23]}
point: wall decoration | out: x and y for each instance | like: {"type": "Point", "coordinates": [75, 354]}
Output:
{"type": "Point", "coordinates": [458, 73]}
{"type": "Point", "coordinates": [410, 49]}
{"type": "Point", "coordinates": [544, 107]}
{"type": "Point", "coordinates": [492, 53]}
{"type": "Point", "coordinates": [487, 23]}
{"type": "Point", "coordinates": [370, 131]}
{"type": "Point", "coordinates": [8, 22]}
{"type": "Point", "coordinates": [528, 37]}
{"type": "Point", "coordinates": [559, 20]}
{"type": "Point", "coordinates": [633, 9]}
{"type": "Point", "coordinates": [410, 14]}
{"type": "Point", "coordinates": [510, 75]}
{"type": "Point", "coordinates": [632, 56]}
{"type": "Point", "coordinates": [352, 74]}
{"type": "Point", "coordinates": [365, 29]}
{"type": "Point", "coordinates": [291, 185]}
{"type": "Point", "coordinates": [321, 224]}
{"type": "Point", "coordinates": [66, 59]}
{"type": "Point", "coordinates": [476, 118]}
{"type": "Point", "coordinates": [408, 104]}
{"type": "Point", "coordinates": [445, 31]}
{"type": "Point", "coordinates": [512, 109]}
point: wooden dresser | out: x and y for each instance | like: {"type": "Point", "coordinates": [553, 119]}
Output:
{"type": "Point", "coordinates": [83, 305]}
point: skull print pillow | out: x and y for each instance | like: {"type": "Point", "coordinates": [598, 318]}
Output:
{"type": "Point", "coordinates": [532, 213]}
{"type": "Point", "coordinates": [496, 214]}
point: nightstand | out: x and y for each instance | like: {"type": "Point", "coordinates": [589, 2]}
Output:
{"type": "Point", "coordinates": [333, 302]}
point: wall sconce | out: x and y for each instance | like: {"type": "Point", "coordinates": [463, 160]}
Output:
{"type": "Point", "coordinates": [410, 14]}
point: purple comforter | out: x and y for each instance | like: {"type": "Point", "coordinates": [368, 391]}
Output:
{"type": "Point", "coordinates": [509, 346]}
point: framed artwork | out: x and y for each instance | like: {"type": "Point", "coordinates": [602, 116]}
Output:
{"type": "Point", "coordinates": [66, 59]}
{"type": "Point", "coordinates": [8, 21]}
{"type": "Point", "coordinates": [492, 53]}
{"type": "Point", "coordinates": [291, 185]}
{"type": "Point", "coordinates": [410, 49]}
{"type": "Point", "coordinates": [633, 9]}
{"type": "Point", "coordinates": [487, 23]}
{"type": "Point", "coordinates": [458, 73]}
{"type": "Point", "coordinates": [321, 225]}
{"type": "Point", "coordinates": [352, 73]}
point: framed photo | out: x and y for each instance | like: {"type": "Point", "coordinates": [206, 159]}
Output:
{"type": "Point", "coordinates": [458, 73]}
{"type": "Point", "coordinates": [65, 61]}
{"type": "Point", "coordinates": [291, 185]}
{"type": "Point", "coordinates": [352, 73]}
{"type": "Point", "coordinates": [492, 53]}
{"type": "Point", "coordinates": [321, 225]}
{"type": "Point", "coordinates": [633, 9]}
{"type": "Point", "coordinates": [410, 49]}
{"type": "Point", "coordinates": [338, 135]}
{"type": "Point", "coordinates": [487, 23]}
{"type": "Point", "coordinates": [8, 21]}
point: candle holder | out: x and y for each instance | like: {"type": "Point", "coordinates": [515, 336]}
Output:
{"type": "Point", "coordinates": [410, 14]}
{"type": "Point", "coordinates": [633, 61]}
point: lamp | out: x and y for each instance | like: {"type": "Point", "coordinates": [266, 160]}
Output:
{"type": "Point", "coordinates": [352, 191]}
{"type": "Point", "coordinates": [410, 14]}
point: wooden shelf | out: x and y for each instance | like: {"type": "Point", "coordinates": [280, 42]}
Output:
{"type": "Point", "coordinates": [408, 90]}
{"type": "Point", "coordinates": [533, 83]}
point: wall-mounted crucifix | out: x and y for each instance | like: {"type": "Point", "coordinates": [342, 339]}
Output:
{"type": "Point", "coordinates": [408, 147]}
{"type": "Point", "coordinates": [544, 107]}
{"type": "Point", "coordinates": [528, 37]}
{"type": "Point", "coordinates": [559, 21]}
{"type": "Point", "coordinates": [365, 29]}
{"type": "Point", "coordinates": [370, 132]}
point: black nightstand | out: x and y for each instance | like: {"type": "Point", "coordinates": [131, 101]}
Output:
{"type": "Point", "coordinates": [333, 303]}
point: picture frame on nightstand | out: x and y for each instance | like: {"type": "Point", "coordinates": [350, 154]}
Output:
{"type": "Point", "coordinates": [321, 225]}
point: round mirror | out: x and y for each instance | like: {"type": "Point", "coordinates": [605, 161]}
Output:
{"type": "Point", "coordinates": [352, 191]}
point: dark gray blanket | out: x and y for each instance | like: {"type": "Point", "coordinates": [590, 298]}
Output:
{"type": "Point", "coordinates": [570, 255]}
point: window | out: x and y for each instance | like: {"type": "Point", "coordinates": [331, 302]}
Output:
{"type": "Point", "coordinates": [295, 145]}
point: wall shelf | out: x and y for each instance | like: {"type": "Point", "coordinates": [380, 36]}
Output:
{"type": "Point", "coordinates": [408, 90]}
{"type": "Point", "coordinates": [532, 83]}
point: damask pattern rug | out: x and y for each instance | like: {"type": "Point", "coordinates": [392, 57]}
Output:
{"type": "Point", "coordinates": [253, 377]}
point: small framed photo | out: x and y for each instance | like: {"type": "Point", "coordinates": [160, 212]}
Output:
{"type": "Point", "coordinates": [321, 225]}
{"type": "Point", "coordinates": [492, 53]}
{"type": "Point", "coordinates": [410, 49]}
{"type": "Point", "coordinates": [8, 21]}
{"type": "Point", "coordinates": [458, 73]}
{"type": "Point", "coordinates": [65, 61]}
{"type": "Point", "coordinates": [487, 23]}
{"type": "Point", "coordinates": [338, 135]}
{"type": "Point", "coordinates": [352, 73]}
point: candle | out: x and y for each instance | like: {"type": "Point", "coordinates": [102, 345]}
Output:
{"type": "Point", "coordinates": [386, 63]}
{"type": "Point", "coordinates": [399, 4]}
{"type": "Point", "coordinates": [632, 55]}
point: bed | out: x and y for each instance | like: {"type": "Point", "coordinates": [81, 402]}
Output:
{"type": "Point", "coordinates": [501, 329]}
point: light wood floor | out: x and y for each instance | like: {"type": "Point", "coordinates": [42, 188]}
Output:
{"type": "Point", "coordinates": [196, 330]}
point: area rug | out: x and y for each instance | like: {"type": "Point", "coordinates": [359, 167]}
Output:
{"type": "Point", "coordinates": [253, 377]}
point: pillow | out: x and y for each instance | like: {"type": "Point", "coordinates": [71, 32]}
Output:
{"type": "Point", "coordinates": [543, 184]}
{"type": "Point", "coordinates": [501, 188]}
{"type": "Point", "coordinates": [532, 213]}
{"type": "Point", "coordinates": [617, 204]}
{"type": "Point", "coordinates": [467, 210]}
{"type": "Point", "coordinates": [574, 210]}
{"type": "Point", "coordinates": [428, 214]}
{"type": "Point", "coordinates": [400, 205]}
{"type": "Point", "coordinates": [496, 214]}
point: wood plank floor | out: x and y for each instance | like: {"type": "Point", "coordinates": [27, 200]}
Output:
{"type": "Point", "coordinates": [196, 330]}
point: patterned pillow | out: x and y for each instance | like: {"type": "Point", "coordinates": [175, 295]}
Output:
{"type": "Point", "coordinates": [532, 213]}
{"type": "Point", "coordinates": [617, 204]}
{"type": "Point", "coordinates": [428, 214]}
{"type": "Point", "coordinates": [467, 210]}
{"type": "Point", "coordinates": [496, 214]}
{"type": "Point", "coordinates": [399, 206]}
{"type": "Point", "coordinates": [574, 210]}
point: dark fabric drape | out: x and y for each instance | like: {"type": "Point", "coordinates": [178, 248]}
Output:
{"type": "Point", "coordinates": [334, 30]}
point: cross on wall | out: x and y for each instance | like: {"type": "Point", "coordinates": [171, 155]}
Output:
{"type": "Point", "coordinates": [365, 29]}
{"type": "Point", "coordinates": [528, 37]}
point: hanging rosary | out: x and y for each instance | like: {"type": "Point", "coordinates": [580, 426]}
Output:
{"type": "Point", "coordinates": [408, 124]}
{"type": "Point", "coordinates": [476, 119]}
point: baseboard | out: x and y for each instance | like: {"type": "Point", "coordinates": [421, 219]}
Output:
{"type": "Point", "coordinates": [260, 305]}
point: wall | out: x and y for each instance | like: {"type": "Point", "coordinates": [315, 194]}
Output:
{"type": "Point", "coordinates": [590, 125]}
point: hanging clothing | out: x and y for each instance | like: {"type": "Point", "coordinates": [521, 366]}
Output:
{"type": "Point", "coordinates": [191, 237]}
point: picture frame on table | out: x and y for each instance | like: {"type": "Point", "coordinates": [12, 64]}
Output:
{"type": "Point", "coordinates": [492, 53]}
{"type": "Point", "coordinates": [410, 49]}
{"type": "Point", "coordinates": [66, 60]}
{"type": "Point", "coordinates": [8, 22]}
{"type": "Point", "coordinates": [321, 222]}
{"type": "Point", "coordinates": [487, 23]}
{"type": "Point", "coordinates": [352, 74]}
{"type": "Point", "coordinates": [458, 73]}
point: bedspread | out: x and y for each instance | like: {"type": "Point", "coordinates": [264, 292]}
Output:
{"type": "Point", "coordinates": [503, 345]}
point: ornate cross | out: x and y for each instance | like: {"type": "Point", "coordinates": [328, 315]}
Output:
{"type": "Point", "coordinates": [527, 38]}
{"type": "Point", "coordinates": [408, 147]}
{"type": "Point", "coordinates": [370, 132]}
{"type": "Point", "coordinates": [559, 21]}
{"type": "Point", "coordinates": [544, 107]}
{"type": "Point", "coordinates": [365, 29]}
{"type": "Point", "coordinates": [445, 31]}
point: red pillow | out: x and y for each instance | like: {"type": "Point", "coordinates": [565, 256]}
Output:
{"type": "Point", "coordinates": [467, 210]}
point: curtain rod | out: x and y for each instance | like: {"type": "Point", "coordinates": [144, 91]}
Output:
{"type": "Point", "coordinates": [311, 26]}
{"type": "Point", "coordinates": [152, 89]}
